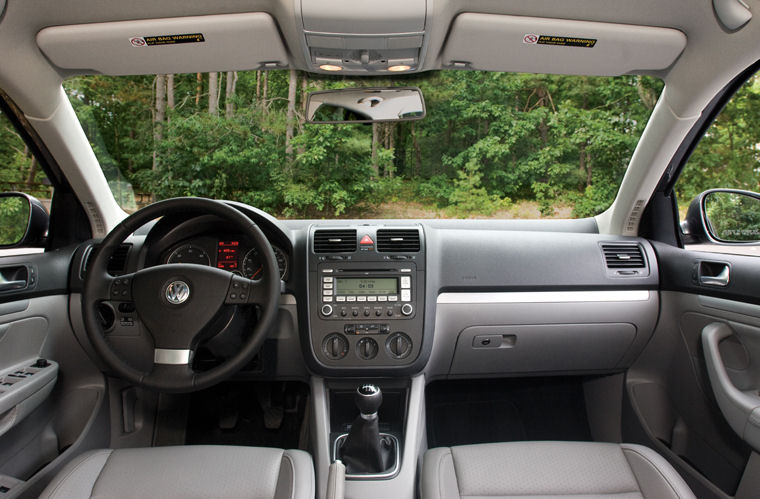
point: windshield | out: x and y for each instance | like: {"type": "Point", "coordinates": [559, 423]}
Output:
{"type": "Point", "coordinates": [499, 145]}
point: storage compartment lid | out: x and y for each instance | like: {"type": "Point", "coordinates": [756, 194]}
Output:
{"type": "Point", "coordinates": [175, 45]}
{"type": "Point", "coordinates": [536, 45]}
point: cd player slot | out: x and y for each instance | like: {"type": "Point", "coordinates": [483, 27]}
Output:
{"type": "Point", "coordinates": [374, 271]}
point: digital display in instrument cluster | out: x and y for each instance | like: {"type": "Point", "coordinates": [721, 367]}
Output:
{"type": "Point", "coordinates": [227, 254]}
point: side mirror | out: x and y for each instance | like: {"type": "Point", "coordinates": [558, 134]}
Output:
{"type": "Point", "coordinates": [724, 216]}
{"type": "Point", "coordinates": [23, 220]}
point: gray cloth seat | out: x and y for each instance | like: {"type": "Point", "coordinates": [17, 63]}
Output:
{"type": "Point", "coordinates": [538, 470]}
{"type": "Point", "coordinates": [203, 471]}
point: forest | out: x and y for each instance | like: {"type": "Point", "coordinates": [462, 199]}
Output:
{"type": "Point", "coordinates": [492, 144]}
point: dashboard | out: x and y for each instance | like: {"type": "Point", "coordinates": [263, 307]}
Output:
{"type": "Point", "coordinates": [450, 298]}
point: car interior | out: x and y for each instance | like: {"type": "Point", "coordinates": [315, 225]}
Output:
{"type": "Point", "coordinates": [609, 356]}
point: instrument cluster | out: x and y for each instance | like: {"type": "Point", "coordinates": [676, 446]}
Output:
{"type": "Point", "coordinates": [228, 253]}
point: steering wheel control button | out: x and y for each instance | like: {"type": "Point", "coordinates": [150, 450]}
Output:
{"type": "Point", "coordinates": [335, 346]}
{"type": "Point", "coordinates": [177, 292]}
{"type": "Point", "coordinates": [407, 309]}
{"type": "Point", "coordinates": [398, 345]}
{"type": "Point", "coordinates": [121, 289]}
{"type": "Point", "coordinates": [366, 348]}
{"type": "Point", "coordinates": [327, 310]}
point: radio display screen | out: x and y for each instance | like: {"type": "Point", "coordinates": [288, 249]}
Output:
{"type": "Point", "coordinates": [366, 286]}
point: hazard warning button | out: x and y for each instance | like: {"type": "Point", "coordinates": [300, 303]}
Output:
{"type": "Point", "coordinates": [366, 240]}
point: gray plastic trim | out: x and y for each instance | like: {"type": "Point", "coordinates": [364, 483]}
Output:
{"type": "Point", "coordinates": [545, 297]}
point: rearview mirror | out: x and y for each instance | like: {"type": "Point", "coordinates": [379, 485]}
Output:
{"type": "Point", "coordinates": [23, 220]}
{"type": "Point", "coordinates": [365, 105]}
{"type": "Point", "coordinates": [725, 216]}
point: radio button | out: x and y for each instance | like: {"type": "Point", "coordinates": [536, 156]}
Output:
{"type": "Point", "coordinates": [354, 312]}
{"type": "Point", "coordinates": [340, 298]}
{"type": "Point", "coordinates": [406, 295]}
{"type": "Point", "coordinates": [327, 271]}
{"type": "Point", "coordinates": [350, 298]}
{"type": "Point", "coordinates": [327, 285]}
{"type": "Point", "coordinates": [327, 310]}
{"type": "Point", "coordinates": [343, 312]}
{"type": "Point", "coordinates": [389, 312]}
{"type": "Point", "coordinates": [382, 298]}
{"type": "Point", "coordinates": [402, 270]}
{"type": "Point", "coordinates": [406, 282]}
{"type": "Point", "coordinates": [327, 298]}
{"type": "Point", "coordinates": [372, 298]}
{"type": "Point", "coordinates": [327, 292]}
{"type": "Point", "coordinates": [361, 298]}
{"type": "Point", "coordinates": [366, 312]}
{"type": "Point", "coordinates": [393, 298]}
{"type": "Point", "coordinates": [378, 312]}
{"type": "Point", "coordinates": [327, 279]}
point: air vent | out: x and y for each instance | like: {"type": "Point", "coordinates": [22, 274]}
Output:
{"type": "Point", "coordinates": [623, 256]}
{"type": "Point", "coordinates": [334, 241]}
{"type": "Point", "coordinates": [116, 264]}
{"type": "Point", "coordinates": [398, 240]}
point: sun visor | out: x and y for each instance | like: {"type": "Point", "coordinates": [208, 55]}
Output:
{"type": "Point", "coordinates": [536, 45]}
{"type": "Point", "coordinates": [177, 45]}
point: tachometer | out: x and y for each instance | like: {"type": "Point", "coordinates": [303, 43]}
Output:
{"type": "Point", "coordinates": [253, 268]}
{"type": "Point", "coordinates": [189, 253]}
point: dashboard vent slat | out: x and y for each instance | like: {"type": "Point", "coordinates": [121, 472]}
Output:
{"type": "Point", "coordinates": [117, 262]}
{"type": "Point", "coordinates": [334, 240]}
{"type": "Point", "coordinates": [398, 240]}
{"type": "Point", "coordinates": [623, 256]}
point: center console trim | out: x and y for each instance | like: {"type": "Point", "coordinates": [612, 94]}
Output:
{"type": "Point", "coordinates": [371, 476]}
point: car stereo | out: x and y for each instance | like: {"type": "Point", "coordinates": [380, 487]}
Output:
{"type": "Point", "coordinates": [366, 293]}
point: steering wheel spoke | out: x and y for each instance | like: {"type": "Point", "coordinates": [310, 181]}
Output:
{"type": "Point", "coordinates": [172, 356]}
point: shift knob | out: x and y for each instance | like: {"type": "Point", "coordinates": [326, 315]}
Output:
{"type": "Point", "coordinates": [368, 399]}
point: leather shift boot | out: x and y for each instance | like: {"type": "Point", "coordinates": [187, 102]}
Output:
{"type": "Point", "coordinates": [364, 451]}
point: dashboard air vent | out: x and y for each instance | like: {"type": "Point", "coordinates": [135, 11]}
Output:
{"type": "Point", "coordinates": [398, 240]}
{"type": "Point", "coordinates": [623, 256]}
{"type": "Point", "coordinates": [117, 263]}
{"type": "Point", "coordinates": [334, 240]}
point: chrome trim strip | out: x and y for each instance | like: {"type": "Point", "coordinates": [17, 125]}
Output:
{"type": "Point", "coordinates": [544, 297]}
{"type": "Point", "coordinates": [371, 476]}
{"type": "Point", "coordinates": [172, 357]}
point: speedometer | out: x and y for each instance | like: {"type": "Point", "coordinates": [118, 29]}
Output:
{"type": "Point", "coordinates": [189, 253]}
{"type": "Point", "coordinates": [253, 268]}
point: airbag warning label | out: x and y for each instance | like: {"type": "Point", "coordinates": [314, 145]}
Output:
{"type": "Point", "coordinates": [563, 41]}
{"type": "Point", "coordinates": [143, 41]}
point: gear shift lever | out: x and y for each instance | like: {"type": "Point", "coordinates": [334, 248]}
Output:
{"type": "Point", "coordinates": [364, 450]}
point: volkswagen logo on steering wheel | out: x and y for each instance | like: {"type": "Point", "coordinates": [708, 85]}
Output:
{"type": "Point", "coordinates": [177, 292]}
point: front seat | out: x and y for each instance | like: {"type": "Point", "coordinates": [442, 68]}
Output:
{"type": "Point", "coordinates": [203, 471]}
{"type": "Point", "coordinates": [549, 469]}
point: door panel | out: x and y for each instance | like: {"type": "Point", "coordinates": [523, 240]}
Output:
{"type": "Point", "coordinates": [43, 410]}
{"type": "Point", "coordinates": [669, 387]}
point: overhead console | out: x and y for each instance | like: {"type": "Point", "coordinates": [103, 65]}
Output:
{"type": "Point", "coordinates": [366, 295]}
{"type": "Point", "coordinates": [363, 37]}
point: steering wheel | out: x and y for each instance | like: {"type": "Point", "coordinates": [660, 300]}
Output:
{"type": "Point", "coordinates": [176, 302]}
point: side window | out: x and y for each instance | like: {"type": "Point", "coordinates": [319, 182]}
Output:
{"type": "Point", "coordinates": [20, 172]}
{"type": "Point", "coordinates": [719, 207]}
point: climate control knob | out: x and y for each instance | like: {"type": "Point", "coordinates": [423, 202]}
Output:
{"type": "Point", "coordinates": [407, 309]}
{"type": "Point", "coordinates": [366, 348]}
{"type": "Point", "coordinates": [335, 346]}
{"type": "Point", "coordinates": [327, 310]}
{"type": "Point", "coordinates": [398, 345]}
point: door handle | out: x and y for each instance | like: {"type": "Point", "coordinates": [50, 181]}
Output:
{"type": "Point", "coordinates": [11, 285]}
{"type": "Point", "coordinates": [714, 273]}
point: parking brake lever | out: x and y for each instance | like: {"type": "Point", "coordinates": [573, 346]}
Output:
{"type": "Point", "coordinates": [336, 480]}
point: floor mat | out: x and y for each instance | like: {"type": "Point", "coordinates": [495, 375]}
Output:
{"type": "Point", "coordinates": [261, 414]}
{"type": "Point", "coordinates": [481, 411]}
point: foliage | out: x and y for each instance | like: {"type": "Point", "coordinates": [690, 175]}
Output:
{"type": "Point", "coordinates": [14, 219]}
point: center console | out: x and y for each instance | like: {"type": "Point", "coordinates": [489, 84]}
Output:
{"type": "Point", "coordinates": [366, 295]}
